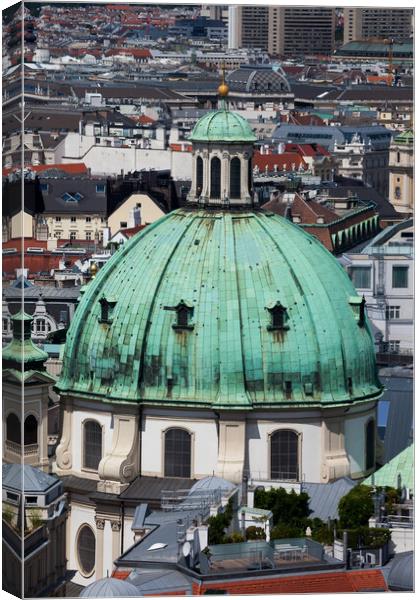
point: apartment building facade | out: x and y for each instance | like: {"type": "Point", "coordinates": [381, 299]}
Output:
{"type": "Point", "coordinates": [383, 273]}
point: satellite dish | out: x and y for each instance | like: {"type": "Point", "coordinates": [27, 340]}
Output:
{"type": "Point", "coordinates": [186, 549]}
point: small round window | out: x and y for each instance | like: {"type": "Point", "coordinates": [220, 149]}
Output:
{"type": "Point", "coordinates": [86, 550]}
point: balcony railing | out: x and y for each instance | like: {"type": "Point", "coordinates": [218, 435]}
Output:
{"type": "Point", "coordinates": [19, 449]}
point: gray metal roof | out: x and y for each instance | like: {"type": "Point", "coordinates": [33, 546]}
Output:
{"type": "Point", "coordinates": [90, 200]}
{"type": "Point", "coordinates": [151, 488]}
{"type": "Point", "coordinates": [324, 497]}
{"type": "Point", "coordinates": [401, 573]}
{"type": "Point", "coordinates": [139, 516]}
{"type": "Point", "coordinates": [32, 479]}
{"type": "Point", "coordinates": [378, 136]}
{"type": "Point", "coordinates": [165, 534]}
{"type": "Point", "coordinates": [257, 78]}
{"type": "Point", "coordinates": [158, 581]}
{"type": "Point", "coordinates": [48, 292]}
{"type": "Point", "coordinates": [399, 424]}
{"type": "Point", "coordinates": [212, 483]}
{"type": "Point", "coordinates": [367, 194]}
{"type": "Point", "coordinates": [109, 587]}
{"type": "Point", "coordinates": [386, 234]}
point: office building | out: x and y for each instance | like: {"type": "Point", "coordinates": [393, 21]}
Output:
{"type": "Point", "coordinates": [300, 31]}
{"type": "Point", "coordinates": [282, 30]}
{"type": "Point", "coordinates": [367, 23]}
{"type": "Point", "coordinates": [248, 27]}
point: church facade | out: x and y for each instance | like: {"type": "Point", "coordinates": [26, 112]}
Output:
{"type": "Point", "coordinates": [220, 340]}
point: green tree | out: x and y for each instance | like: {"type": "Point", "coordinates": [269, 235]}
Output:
{"type": "Point", "coordinates": [356, 507]}
{"type": "Point", "coordinates": [321, 532]}
{"type": "Point", "coordinates": [218, 524]}
{"type": "Point", "coordinates": [255, 533]}
{"type": "Point", "coordinates": [285, 531]}
{"type": "Point", "coordinates": [288, 508]}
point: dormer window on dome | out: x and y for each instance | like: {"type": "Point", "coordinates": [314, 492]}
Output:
{"type": "Point", "coordinates": [278, 316]}
{"type": "Point", "coordinates": [184, 313]}
{"type": "Point", "coordinates": [358, 305]}
{"type": "Point", "coordinates": [107, 309]}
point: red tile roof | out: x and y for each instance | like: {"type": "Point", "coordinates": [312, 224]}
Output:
{"type": "Point", "coordinates": [136, 52]}
{"type": "Point", "coordinates": [27, 242]}
{"type": "Point", "coordinates": [71, 168]}
{"type": "Point", "coordinates": [307, 149]}
{"type": "Point", "coordinates": [117, 574]}
{"type": "Point", "coordinates": [271, 160]}
{"type": "Point", "coordinates": [185, 147]}
{"type": "Point", "coordinates": [142, 119]}
{"type": "Point", "coordinates": [130, 231]}
{"type": "Point", "coordinates": [310, 210]}
{"type": "Point", "coordinates": [306, 119]}
{"type": "Point", "coordinates": [316, 583]}
{"type": "Point", "coordinates": [381, 79]}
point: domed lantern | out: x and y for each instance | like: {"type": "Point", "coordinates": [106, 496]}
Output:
{"type": "Point", "coordinates": [222, 158]}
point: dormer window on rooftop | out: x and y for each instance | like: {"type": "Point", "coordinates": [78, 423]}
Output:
{"type": "Point", "coordinates": [358, 305]}
{"type": "Point", "coordinates": [278, 316]}
{"type": "Point", "coordinates": [72, 197]}
{"type": "Point", "coordinates": [107, 309]}
{"type": "Point", "coordinates": [183, 316]}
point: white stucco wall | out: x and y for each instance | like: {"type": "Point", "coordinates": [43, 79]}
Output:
{"type": "Point", "coordinates": [354, 435]}
{"type": "Point", "coordinates": [259, 448]}
{"type": "Point", "coordinates": [78, 417]}
{"type": "Point", "coordinates": [128, 533]}
{"type": "Point", "coordinates": [402, 540]}
{"type": "Point", "coordinates": [111, 161]}
{"type": "Point", "coordinates": [181, 165]}
{"type": "Point", "coordinates": [108, 563]}
{"type": "Point", "coordinates": [79, 515]}
{"type": "Point", "coordinates": [204, 443]}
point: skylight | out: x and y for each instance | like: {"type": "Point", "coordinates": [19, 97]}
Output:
{"type": "Point", "coordinates": [157, 546]}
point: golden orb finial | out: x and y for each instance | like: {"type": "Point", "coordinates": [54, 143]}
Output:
{"type": "Point", "coordinates": [93, 269]}
{"type": "Point", "coordinates": [223, 90]}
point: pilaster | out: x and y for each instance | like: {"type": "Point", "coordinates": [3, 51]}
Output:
{"type": "Point", "coordinates": [116, 536]}
{"type": "Point", "coordinates": [99, 559]}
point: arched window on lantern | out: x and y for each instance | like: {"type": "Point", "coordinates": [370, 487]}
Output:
{"type": "Point", "coordinates": [13, 433]}
{"type": "Point", "coordinates": [284, 455]}
{"type": "Point", "coordinates": [30, 430]}
{"type": "Point", "coordinates": [215, 174]}
{"type": "Point", "coordinates": [235, 178]}
{"type": "Point", "coordinates": [199, 176]}
{"type": "Point", "coordinates": [177, 453]}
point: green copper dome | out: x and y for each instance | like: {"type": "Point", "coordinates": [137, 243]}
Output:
{"type": "Point", "coordinates": [21, 353]}
{"type": "Point", "coordinates": [405, 137]}
{"type": "Point", "coordinates": [222, 309]}
{"type": "Point", "coordinates": [222, 126]}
